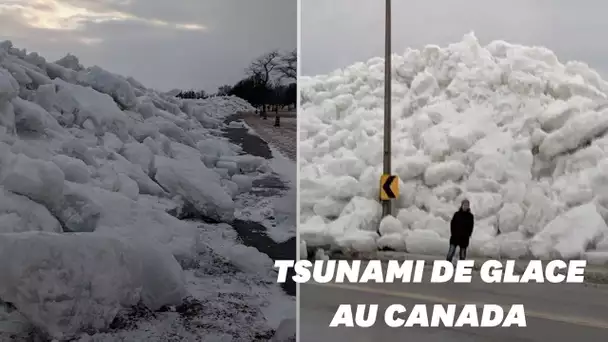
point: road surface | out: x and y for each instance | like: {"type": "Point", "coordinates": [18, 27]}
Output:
{"type": "Point", "coordinates": [254, 234]}
{"type": "Point", "coordinates": [554, 312]}
{"type": "Point", "coordinates": [283, 137]}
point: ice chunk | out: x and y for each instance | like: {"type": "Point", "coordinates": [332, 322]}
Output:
{"type": "Point", "coordinates": [71, 62]}
{"type": "Point", "coordinates": [491, 167]}
{"type": "Point", "coordinates": [77, 149]}
{"type": "Point", "coordinates": [390, 225]}
{"type": "Point", "coordinates": [90, 208]}
{"type": "Point", "coordinates": [408, 217]}
{"type": "Point", "coordinates": [85, 279]}
{"type": "Point", "coordinates": [231, 166]}
{"type": "Point", "coordinates": [540, 211]}
{"type": "Point", "coordinates": [442, 172]}
{"type": "Point", "coordinates": [576, 131]}
{"type": "Point", "coordinates": [115, 86]}
{"type": "Point", "coordinates": [510, 217]}
{"type": "Point", "coordinates": [66, 284]}
{"type": "Point", "coordinates": [435, 224]}
{"type": "Point", "coordinates": [31, 118]}
{"type": "Point", "coordinates": [329, 207]}
{"type": "Point", "coordinates": [569, 235]}
{"type": "Point", "coordinates": [514, 245]}
{"type": "Point", "coordinates": [41, 181]}
{"type": "Point", "coordinates": [20, 214]}
{"type": "Point", "coordinates": [357, 240]}
{"type": "Point", "coordinates": [344, 187]}
{"type": "Point", "coordinates": [412, 167]}
{"type": "Point", "coordinates": [393, 241]}
{"type": "Point", "coordinates": [314, 232]}
{"type": "Point", "coordinates": [127, 186]}
{"type": "Point", "coordinates": [78, 211]}
{"type": "Point", "coordinates": [231, 187]}
{"type": "Point", "coordinates": [139, 154]}
{"type": "Point", "coordinates": [172, 131]}
{"type": "Point", "coordinates": [75, 170]}
{"type": "Point", "coordinates": [9, 87]}
{"type": "Point", "coordinates": [111, 142]}
{"type": "Point", "coordinates": [363, 214]}
{"type": "Point", "coordinates": [197, 184]}
{"type": "Point", "coordinates": [425, 242]}
{"type": "Point", "coordinates": [250, 259]}
{"type": "Point", "coordinates": [246, 163]}
{"type": "Point", "coordinates": [448, 191]}
{"type": "Point", "coordinates": [84, 104]}
{"type": "Point", "coordinates": [215, 147]}
{"type": "Point", "coordinates": [348, 165]}
{"type": "Point", "coordinates": [145, 184]}
{"type": "Point", "coordinates": [244, 182]}
{"type": "Point", "coordinates": [484, 204]}
{"type": "Point", "coordinates": [162, 277]}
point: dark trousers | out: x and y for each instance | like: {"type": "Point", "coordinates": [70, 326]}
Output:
{"type": "Point", "coordinates": [452, 251]}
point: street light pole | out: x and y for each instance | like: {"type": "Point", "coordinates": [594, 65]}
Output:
{"type": "Point", "coordinates": [386, 205]}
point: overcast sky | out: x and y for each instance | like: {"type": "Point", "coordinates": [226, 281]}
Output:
{"type": "Point", "coordinates": [337, 33]}
{"type": "Point", "coordinates": [165, 44]}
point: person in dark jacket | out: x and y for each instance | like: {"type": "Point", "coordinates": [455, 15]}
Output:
{"type": "Point", "coordinates": [461, 228]}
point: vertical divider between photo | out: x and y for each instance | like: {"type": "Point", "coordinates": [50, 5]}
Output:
{"type": "Point", "coordinates": [298, 245]}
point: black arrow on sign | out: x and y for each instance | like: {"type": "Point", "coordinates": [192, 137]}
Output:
{"type": "Point", "coordinates": [387, 187]}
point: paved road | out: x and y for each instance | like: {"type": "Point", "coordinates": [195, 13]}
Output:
{"type": "Point", "coordinates": [554, 312]}
{"type": "Point", "coordinates": [254, 234]}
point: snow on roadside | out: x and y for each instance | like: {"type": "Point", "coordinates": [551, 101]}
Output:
{"type": "Point", "coordinates": [233, 297]}
{"type": "Point", "coordinates": [277, 213]}
{"type": "Point", "coordinates": [286, 205]}
{"type": "Point", "coordinates": [97, 174]}
{"type": "Point", "coordinates": [250, 130]}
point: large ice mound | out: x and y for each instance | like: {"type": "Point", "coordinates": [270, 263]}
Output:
{"type": "Point", "coordinates": [95, 172]}
{"type": "Point", "coordinates": [66, 283]}
{"type": "Point", "coordinates": [520, 134]}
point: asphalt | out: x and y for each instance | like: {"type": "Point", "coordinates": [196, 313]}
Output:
{"type": "Point", "coordinates": [251, 233]}
{"type": "Point", "coordinates": [554, 312]}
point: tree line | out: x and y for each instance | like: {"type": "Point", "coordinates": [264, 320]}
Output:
{"type": "Point", "coordinates": [270, 81]}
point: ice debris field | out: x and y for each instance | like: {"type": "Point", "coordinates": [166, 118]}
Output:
{"type": "Point", "coordinates": [97, 176]}
{"type": "Point", "coordinates": [509, 127]}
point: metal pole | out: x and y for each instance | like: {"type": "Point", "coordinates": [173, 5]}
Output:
{"type": "Point", "coordinates": [386, 205]}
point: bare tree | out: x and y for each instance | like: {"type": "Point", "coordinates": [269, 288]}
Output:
{"type": "Point", "coordinates": [264, 66]}
{"type": "Point", "coordinates": [224, 90]}
{"type": "Point", "coordinates": [262, 70]}
{"type": "Point", "coordinates": [288, 69]}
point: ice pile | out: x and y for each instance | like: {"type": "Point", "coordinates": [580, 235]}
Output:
{"type": "Point", "coordinates": [95, 170]}
{"type": "Point", "coordinates": [509, 127]}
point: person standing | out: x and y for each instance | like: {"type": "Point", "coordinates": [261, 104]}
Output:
{"type": "Point", "coordinates": [461, 229]}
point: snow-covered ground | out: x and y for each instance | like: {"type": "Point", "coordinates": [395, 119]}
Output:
{"type": "Point", "coordinates": [284, 138]}
{"type": "Point", "coordinates": [105, 186]}
{"type": "Point", "coordinates": [511, 128]}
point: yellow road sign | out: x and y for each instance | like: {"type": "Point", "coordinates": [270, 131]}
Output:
{"type": "Point", "coordinates": [389, 187]}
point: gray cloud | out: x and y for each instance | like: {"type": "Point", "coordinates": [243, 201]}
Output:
{"type": "Point", "coordinates": [165, 44]}
{"type": "Point", "coordinates": [338, 33]}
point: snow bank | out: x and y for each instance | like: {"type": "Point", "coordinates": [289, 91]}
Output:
{"type": "Point", "coordinates": [86, 159]}
{"type": "Point", "coordinates": [520, 134]}
{"type": "Point", "coordinates": [65, 283]}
